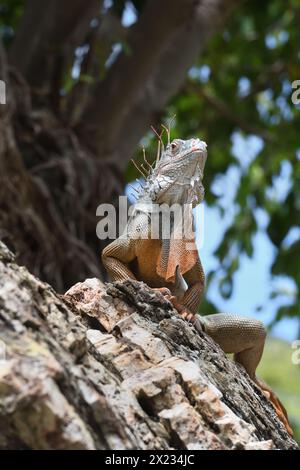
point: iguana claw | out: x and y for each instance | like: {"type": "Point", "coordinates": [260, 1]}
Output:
{"type": "Point", "coordinates": [185, 313]}
{"type": "Point", "coordinates": [163, 290]}
{"type": "Point", "coordinates": [192, 319]}
{"type": "Point", "coordinates": [188, 316]}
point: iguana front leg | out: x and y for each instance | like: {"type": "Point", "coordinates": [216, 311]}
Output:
{"type": "Point", "coordinates": [188, 306]}
{"type": "Point", "coordinates": [116, 256]}
{"type": "Point", "coordinates": [195, 280]}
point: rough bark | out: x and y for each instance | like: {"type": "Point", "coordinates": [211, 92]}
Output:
{"type": "Point", "coordinates": [114, 367]}
{"type": "Point", "coordinates": [49, 189]}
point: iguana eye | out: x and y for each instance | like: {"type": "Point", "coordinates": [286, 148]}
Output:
{"type": "Point", "coordinates": [174, 146]}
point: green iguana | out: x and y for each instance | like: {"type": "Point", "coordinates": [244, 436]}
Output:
{"type": "Point", "coordinates": [171, 264]}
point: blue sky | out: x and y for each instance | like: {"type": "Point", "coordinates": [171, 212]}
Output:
{"type": "Point", "coordinates": [252, 281]}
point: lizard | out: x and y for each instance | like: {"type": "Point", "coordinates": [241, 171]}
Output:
{"type": "Point", "coordinates": [170, 262]}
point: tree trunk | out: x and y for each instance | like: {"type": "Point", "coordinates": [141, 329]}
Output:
{"type": "Point", "coordinates": [114, 367]}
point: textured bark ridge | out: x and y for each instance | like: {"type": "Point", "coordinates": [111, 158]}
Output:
{"type": "Point", "coordinates": [114, 367]}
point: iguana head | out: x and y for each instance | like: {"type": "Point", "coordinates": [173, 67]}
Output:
{"type": "Point", "coordinates": [178, 173]}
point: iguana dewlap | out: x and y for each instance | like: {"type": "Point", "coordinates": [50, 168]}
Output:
{"type": "Point", "coordinates": [173, 262]}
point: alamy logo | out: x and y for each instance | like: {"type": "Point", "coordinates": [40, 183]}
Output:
{"type": "Point", "coordinates": [2, 92]}
{"type": "Point", "coordinates": [161, 221]}
{"type": "Point", "coordinates": [296, 353]}
{"type": "Point", "coordinates": [296, 93]}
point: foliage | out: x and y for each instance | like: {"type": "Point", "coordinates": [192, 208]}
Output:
{"type": "Point", "coordinates": [277, 370]}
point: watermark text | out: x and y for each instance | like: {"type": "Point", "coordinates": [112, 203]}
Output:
{"type": "Point", "coordinates": [2, 92]}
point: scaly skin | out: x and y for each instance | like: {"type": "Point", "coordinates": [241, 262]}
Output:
{"type": "Point", "coordinates": [163, 263]}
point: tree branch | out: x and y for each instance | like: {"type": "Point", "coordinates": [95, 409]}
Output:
{"type": "Point", "coordinates": [55, 28]}
{"type": "Point", "coordinates": [100, 41]}
{"type": "Point", "coordinates": [139, 97]}
{"type": "Point", "coordinates": [172, 70]}
{"type": "Point", "coordinates": [115, 367]}
{"type": "Point", "coordinates": [113, 98]}
{"type": "Point", "coordinates": [223, 110]}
